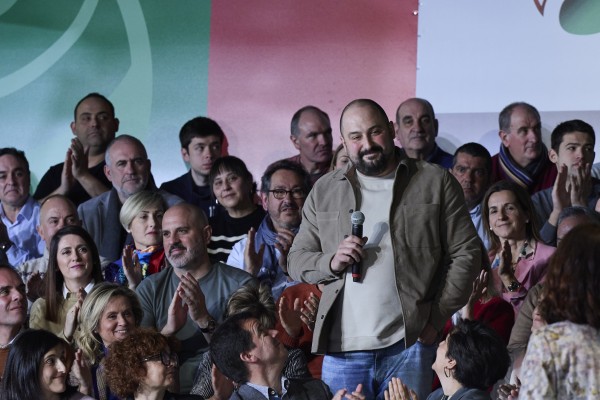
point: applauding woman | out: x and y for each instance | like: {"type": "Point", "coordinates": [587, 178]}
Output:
{"type": "Point", "coordinates": [141, 216]}
{"type": "Point", "coordinates": [519, 258]}
{"type": "Point", "coordinates": [73, 270]}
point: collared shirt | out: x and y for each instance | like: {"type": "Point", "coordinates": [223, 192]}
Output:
{"type": "Point", "coordinates": [87, 289]}
{"type": "Point", "coordinates": [27, 243]}
{"type": "Point", "coordinates": [475, 213]}
{"type": "Point", "coordinates": [264, 390]}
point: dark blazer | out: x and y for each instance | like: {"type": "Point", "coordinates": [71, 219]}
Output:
{"type": "Point", "coordinates": [298, 389]}
{"type": "Point", "coordinates": [184, 187]}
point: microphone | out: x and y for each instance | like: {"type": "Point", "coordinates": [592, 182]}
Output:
{"type": "Point", "coordinates": [357, 219]}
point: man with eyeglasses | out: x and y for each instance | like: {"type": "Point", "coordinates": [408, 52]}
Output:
{"type": "Point", "coordinates": [263, 254]}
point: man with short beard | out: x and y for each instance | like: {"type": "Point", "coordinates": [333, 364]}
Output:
{"type": "Point", "coordinates": [128, 169]}
{"type": "Point", "coordinates": [189, 299]}
{"type": "Point", "coordinates": [263, 254]}
{"type": "Point", "coordinates": [416, 264]}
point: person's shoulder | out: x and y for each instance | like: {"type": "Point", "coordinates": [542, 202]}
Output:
{"type": "Point", "coordinates": [170, 198]}
{"type": "Point", "coordinates": [93, 203]}
{"type": "Point", "coordinates": [316, 387]}
{"type": "Point", "coordinates": [173, 185]}
{"type": "Point", "coordinates": [231, 272]}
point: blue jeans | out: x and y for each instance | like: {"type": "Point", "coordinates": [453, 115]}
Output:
{"type": "Point", "coordinates": [374, 369]}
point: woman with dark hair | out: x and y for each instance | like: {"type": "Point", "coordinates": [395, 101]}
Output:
{"type": "Point", "coordinates": [141, 216]}
{"type": "Point", "coordinates": [143, 366]}
{"type": "Point", "coordinates": [37, 368]}
{"type": "Point", "coordinates": [234, 188]}
{"type": "Point", "coordinates": [73, 270]}
{"type": "Point", "coordinates": [472, 358]}
{"type": "Point", "coordinates": [108, 314]}
{"type": "Point", "coordinates": [519, 258]}
{"type": "Point", "coordinates": [562, 358]}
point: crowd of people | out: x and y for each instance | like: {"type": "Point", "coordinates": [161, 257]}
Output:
{"type": "Point", "coordinates": [466, 276]}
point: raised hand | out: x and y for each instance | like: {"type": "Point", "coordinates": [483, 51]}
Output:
{"type": "Point", "coordinates": [309, 311]}
{"type": "Point", "coordinates": [72, 314]}
{"type": "Point", "coordinates": [283, 243]}
{"type": "Point", "coordinates": [131, 267]}
{"type": "Point", "coordinates": [397, 390]}
{"type": "Point", "coordinates": [79, 159]}
{"type": "Point", "coordinates": [35, 286]}
{"type": "Point", "coordinates": [192, 296]}
{"type": "Point", "coordinates": [356, 395]}
{"type": "Point", "coordinates": [252, 259]}
{"type": "Point", "coordinates": [290, 316]}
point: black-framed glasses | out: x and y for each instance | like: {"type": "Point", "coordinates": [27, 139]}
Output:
{"type": "Point", "coordinates": [280, 194]}
{"type": "Point", "coordinates": [164, 357]}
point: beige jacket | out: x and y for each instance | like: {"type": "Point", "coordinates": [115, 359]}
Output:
{"type": "Point", "coordinates": [436, 248]}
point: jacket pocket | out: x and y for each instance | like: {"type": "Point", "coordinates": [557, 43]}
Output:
{"type": "Point", "coordinates": [329, 230]}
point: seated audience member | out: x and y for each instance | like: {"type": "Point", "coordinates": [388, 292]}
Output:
{"type": "Point", "coordinates": [201, 144]}
{"type": "Point", "coordinates": [56, 212]}
{"type": "Point", "coordinates": [143, 366]}
{"type": "Point", "coordinates": [573, 153]}
{"type": "Point", "coordinates": [472, 168]}
{"type": "Point", "coordinates": [19, 212]}
{"type": "Point", "coordinates": [568, 219]}
{"type": "Point", "coordinates": [250, 355]}
{"type": "Point", "coordinates": [311, 136]}
{"type": "Point", "coordinates": [13, 309]}
{"type": "Point", "coordinates": [263, 254]}
{"type": "Point", "coordinates": [234, 188]}
{"type": "Point", "coordinates": [303, 300]}
{"type": "Point", "coordinates": [38, 366]}
{"type": "Point", "coordinates": [340, 158]}
{"type": "Point", "coordinates": [485, 305]}
{"type": "Point", "coordinates": [257, 300]}
{"type": "Point", "coordinates": [81, 176]}
{"type": "Point", "coordinates": [523, 157]}
{"type": "Point", "coordinates": [141, 216]}
{"type": "Point", "coordinates": [561, 361]}
{"type": "Point", "coordinates": [519, 257]}
{"type": "Point", "coordinates": [192, 286]}
{"type": "Point", "coordinates": [108, 314]}
{"type": "Point", "coordinates": [472, 358]}
{"type": "Point", "coordinates": [73, 270]}
{"type": "Point", "coordinates": [128, 169]}
{"type": "Point", "coordinates": [416, 130]}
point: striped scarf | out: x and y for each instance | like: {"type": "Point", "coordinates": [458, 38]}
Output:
{"type": "Point", "coordinates": [527, 176]}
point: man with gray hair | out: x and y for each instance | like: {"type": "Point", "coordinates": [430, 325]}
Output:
{"type": "Point", "coordinates": [128, 169]}
{"type": "Point", "coordinates": [523, 157]}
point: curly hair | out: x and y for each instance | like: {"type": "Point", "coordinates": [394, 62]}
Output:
{"type": "Point", "coordinates": [124, 367]}
{"type": "Point", "coordinates": [91, 312]}
{"type": "Point", "coordinates": [573, 278]}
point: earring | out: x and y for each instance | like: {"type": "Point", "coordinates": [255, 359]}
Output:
{"type": "Point", "coordinates": [446, 372]}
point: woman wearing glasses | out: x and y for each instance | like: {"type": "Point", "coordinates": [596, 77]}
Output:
{"type": "Point", "coordinates": [143, 366]}
{"type": "Point", "coordinates": [234, 188]}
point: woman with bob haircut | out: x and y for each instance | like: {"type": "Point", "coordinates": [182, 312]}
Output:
{"type": "Point", "coordinates": [73, 270]}
{"type": "Point", "coordinates": [234, 188]}
{"type": "Point", "coordinates": [472, 358]}
{"type": "Point", "coordinates": [141, 216]}
{"type": "Point", "coordinates": [143, 366]}
{"type": "Point", "coordinates": [519, 257]}
{"type": "Point", "coordinates": [562, 358]}
{"type": "Point", "coordinates": [37, 368]}
{"type": "Point", "coordinates": [109, 313]}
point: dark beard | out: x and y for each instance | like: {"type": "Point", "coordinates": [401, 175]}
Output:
{"type": "Point", "coordinates": [371, 168]}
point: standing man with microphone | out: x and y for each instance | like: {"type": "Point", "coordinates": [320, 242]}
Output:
{"type": "Point", "coordinates": [417, 262]}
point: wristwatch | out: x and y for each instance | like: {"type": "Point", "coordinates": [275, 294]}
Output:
{"type": "Point", "coordinates": [514, 286]}
{"type": "Point", "coordinates": [210, 326]}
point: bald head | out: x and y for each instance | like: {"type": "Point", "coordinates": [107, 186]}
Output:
{"type": "Point", "coordinates": [56, 212]}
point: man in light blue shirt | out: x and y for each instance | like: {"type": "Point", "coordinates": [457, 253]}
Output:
{"type": "Point", "coordinates": [19, 212]}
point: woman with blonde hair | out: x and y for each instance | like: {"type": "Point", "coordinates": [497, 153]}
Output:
{"type": "Point", "coordinates": [141, 216]}
{"type": "Point", "coordinates": [109, 313]}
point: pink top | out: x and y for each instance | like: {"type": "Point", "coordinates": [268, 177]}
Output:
{"type": "Point", "coordinates": [530, 269]}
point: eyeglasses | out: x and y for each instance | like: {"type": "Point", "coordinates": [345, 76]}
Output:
{"type": "Point", "coordinates": [166, 358]}
{"type": "Point", "coordinates": [280, 194]}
